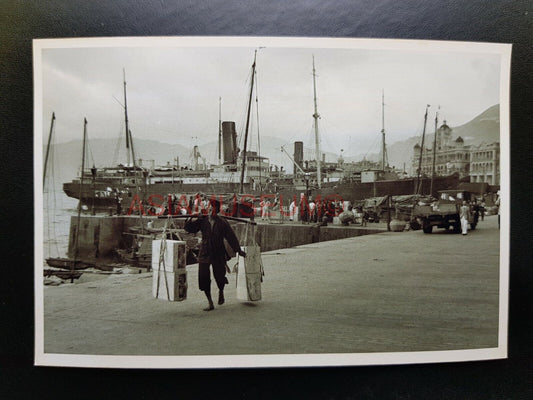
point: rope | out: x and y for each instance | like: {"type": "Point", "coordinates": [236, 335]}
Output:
{"type": "Point", "coordinates": [244, 111]}
{"type": "Point", "coordinates": [91, 155]}
{"type": "Point", "coordinates": [117, 147]}
{"type": "Point", "coordinates": [51, 197]}
{"type": "Point", "coordinates": [171, 227]}
{"type": "Point", "coordinates": [162, 250]}
{"type": "Point", "coordinates": [258, 136]}
{"type": "Point", "coordinates": [246, 237]}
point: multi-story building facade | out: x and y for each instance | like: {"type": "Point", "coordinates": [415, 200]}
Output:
{"type": "Point", "coordinates": [485, 164]}
{"type": "Point", "coordinates": [480, 163]}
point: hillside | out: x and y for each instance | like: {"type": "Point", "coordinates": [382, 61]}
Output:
{"type": "Point", "coordinates": [485, 128]}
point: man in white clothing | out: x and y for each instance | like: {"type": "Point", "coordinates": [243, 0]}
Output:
{"type": "Point", "coordinates": [465, 216]}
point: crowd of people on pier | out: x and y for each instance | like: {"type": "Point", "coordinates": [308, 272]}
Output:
{"type": "Point", "coordinates": [305, 209]}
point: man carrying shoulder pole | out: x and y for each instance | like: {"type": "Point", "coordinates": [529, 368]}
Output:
{"type": "Point", "coordinates": [212, 250]}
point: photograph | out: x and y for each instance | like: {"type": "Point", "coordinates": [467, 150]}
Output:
{"type": "Point", "coordinates": [235, 202]}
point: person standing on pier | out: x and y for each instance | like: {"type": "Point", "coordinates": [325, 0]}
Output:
{"type": "Point", "coordinates": [292, 208]}
{"type": "Point", "coordinates": [312, 210]}
{"type": "Point", "coordinates": [497, 204]}
{"type": "Point", "coordinates": [464, 216]}
{"type": "Point", "coordinates": [303, 208]}
{"type": "Point", "coordinates": [212, 250]}
{"type": "Point", "coordinates": [118, 201]}
{"type": "Point", "coordinates": [265, 210]}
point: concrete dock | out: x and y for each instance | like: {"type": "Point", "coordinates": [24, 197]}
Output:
{"type": "Point", "coordinates": [385, 292]}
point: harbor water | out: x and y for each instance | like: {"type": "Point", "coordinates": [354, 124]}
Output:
{"type": "Point", "coordinates": [57, 210]}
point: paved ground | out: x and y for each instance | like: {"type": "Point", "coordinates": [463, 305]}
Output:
{"type": "Point", "coordinates": [386, 292]}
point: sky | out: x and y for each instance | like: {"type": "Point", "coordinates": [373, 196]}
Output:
{"type": "Point", "coordinates": [173, 90]}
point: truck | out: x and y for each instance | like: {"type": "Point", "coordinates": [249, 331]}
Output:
{"type": "Point", "coordinates": [444, 213]}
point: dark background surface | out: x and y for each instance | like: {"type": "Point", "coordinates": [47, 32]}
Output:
{"type": "Point", "coordinates": [475, 20]}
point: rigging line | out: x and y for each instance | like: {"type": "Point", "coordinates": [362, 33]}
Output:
{"type": "Point", "coordinates": [117, 146]}
{"type": "Point", "coordinates": [242, 123]}
{"type": "Point", "coordinates": [53, 242]}
{"type": "Point", "coordinates": [244, 110]}
{"type": "Point", "coordinates": [48, 146]}
{"type": "Point", "coordinates": [54, 232]}
{"type": "Point", "coordinates": [89, 149]}
{"type": "Point", "coordinates": [46, 190]}
{"type": "Point", "coordinates": [325, 136]}
{"type": "Point", "coordinates": [253, 124]}
{"type": "Point", "coordinates": [258, 137]}
{"type": "Point", "coordinates": [118, 101]}
{"type": "Point", "coordinates": [371, 147]}
{"type": "Point", "coordinates": [47, 212]}
{"type": "Point", "coordinates": [310, 138]}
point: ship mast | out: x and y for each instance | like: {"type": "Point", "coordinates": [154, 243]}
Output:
{"type": "Point", "coordinates": [129, 139]}
{"type": "Point", "coordinates": [258, 140]}
{"type": "Point", "coordinates": [434, 153]}
{"type": "Point", "coordinates": [76, 241]}
{"type": "Point", "coordinates": [220, 130]}
{"type": "Point", "coordinates": [132, 152]}
{"type": "Point", "coordinates": [247, 125]}
{"type": "Point", "coordinates": [126, 120]}
{"type": "Point", "coordinates": [48, 146]}
{"type": "Point", "coordinates": [418, 183]}
{"type": "Point", "coordinates": [129, 143]}
{"type": "Point", "coordinates": [316, 116]}
{"type": "Point", "coordinates": [384, 160]}
{"type": "Point", "coordinates": [195, 156]}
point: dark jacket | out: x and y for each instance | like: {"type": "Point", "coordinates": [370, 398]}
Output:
{"type": "Point", "coordinates": [212, 249]}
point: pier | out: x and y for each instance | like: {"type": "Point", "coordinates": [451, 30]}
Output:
{"type": "Point", "coordinates": [100, 235]}
{"type": "Point", "coordinates": [387, 292]}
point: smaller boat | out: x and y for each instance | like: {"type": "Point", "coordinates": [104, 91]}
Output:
{"type": "Point", "coordinates": [68, 263]}
{"type": "Point", "coordinates": [62, 274]}
{"type": "Point", "coordinates": [72, 264]}
{"type": "Point", "coordinates": [140, 252]}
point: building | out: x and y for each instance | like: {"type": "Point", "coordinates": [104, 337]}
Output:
{"type": "Point", "coordinates": [478, 163]}
{"type": "Point", "coordinates": [485, 164]}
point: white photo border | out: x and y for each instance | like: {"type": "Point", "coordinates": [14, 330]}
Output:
{"type": "Point", "coordinates": [259, 360]}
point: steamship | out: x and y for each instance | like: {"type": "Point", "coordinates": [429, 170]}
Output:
{"type": "Point", "coordinates": [100, 188]}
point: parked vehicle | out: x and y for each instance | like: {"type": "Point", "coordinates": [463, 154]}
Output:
{"type": "Point", "coordinates": [444, 213]}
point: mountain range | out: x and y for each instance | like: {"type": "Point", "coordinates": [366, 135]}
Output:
{"type": "Point", "coordinates": [484, 128]}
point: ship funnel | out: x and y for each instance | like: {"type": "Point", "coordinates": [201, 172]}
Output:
{"type": "Point", "coordinates": [298, 156]}
{"type": "Point", "coordinates": [229, 140]}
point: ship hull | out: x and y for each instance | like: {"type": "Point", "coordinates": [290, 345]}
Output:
{"type": "Point", "coordinates": [101, 197]}
{"type": "Point", "coordinates": [399, 187]}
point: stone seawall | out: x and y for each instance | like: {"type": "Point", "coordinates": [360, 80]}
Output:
{"type": "Point", "coordinates": [100, 235]}
{"type": "Point", "coordinates": [273, 237]}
